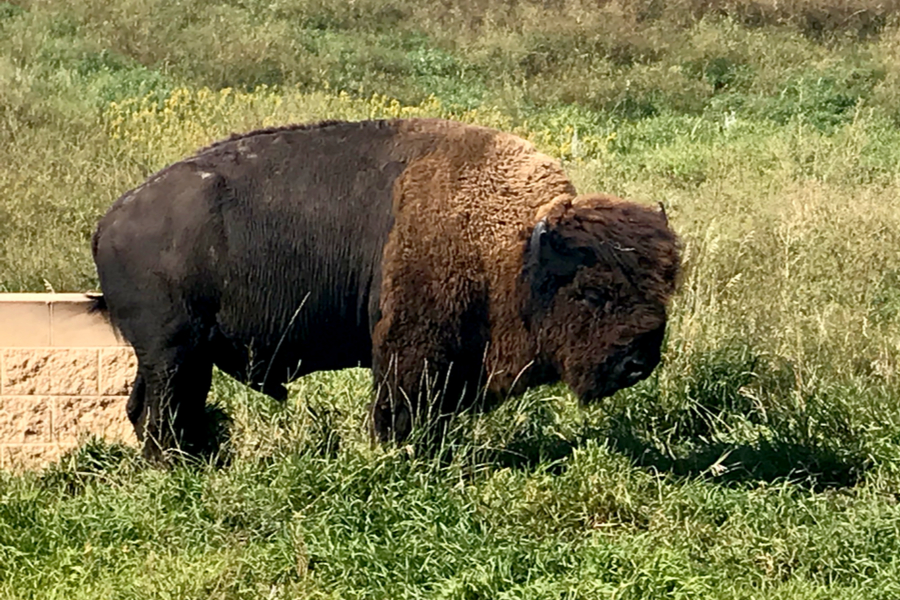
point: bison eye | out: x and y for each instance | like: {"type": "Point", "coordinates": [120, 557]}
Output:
{"type": "Point", "coordinates": [595, 297]}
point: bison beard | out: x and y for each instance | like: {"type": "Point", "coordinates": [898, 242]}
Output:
{"type": "Point", "coordinates": [454, 260]}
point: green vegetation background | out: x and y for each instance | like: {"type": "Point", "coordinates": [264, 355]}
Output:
{"type": "Point", "coordinates": [762, 460]}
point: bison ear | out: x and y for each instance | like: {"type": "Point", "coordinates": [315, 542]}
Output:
{"type": "Point", "coordinates": [550, 262]}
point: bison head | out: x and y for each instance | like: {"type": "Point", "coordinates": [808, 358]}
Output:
{"type": "Point", "coordinates": [598, 273]}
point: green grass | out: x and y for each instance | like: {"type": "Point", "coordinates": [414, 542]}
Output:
{"type": "Point", "coordinates": [762, 459]}
{"type": "Point", "coordinates": [537, 502]}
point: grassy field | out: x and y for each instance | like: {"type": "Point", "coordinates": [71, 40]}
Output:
{"type": "Point", "coordinates": [762, 459]}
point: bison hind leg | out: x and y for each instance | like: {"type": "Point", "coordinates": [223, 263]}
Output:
{"type": "Point", "coordinates": [168, 404]}
{"type": "Point", "coordinates": [135, 407]}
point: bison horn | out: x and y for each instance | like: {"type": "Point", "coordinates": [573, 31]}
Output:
{"type": "Point", "coordinates": [662, 211]}
{"type": "Point", "coordinates": [534, 246]}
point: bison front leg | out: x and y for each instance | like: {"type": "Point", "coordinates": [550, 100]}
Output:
{"type": "Point", "coordinates": [400, 398]}
{"type": "Point", "coordinates": [390, 414]}
{"type": "Point", "coordinates": [427, 356]}
{"type": "Point", "coordinates": [415, 394]}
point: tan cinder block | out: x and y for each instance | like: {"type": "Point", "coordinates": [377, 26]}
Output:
{"type": "Point", "coordinates": [20, 457]}
{"type": "Point", "coordinates": [100, 415]}
{"type": "Point", "coordinates": [25, 419]}
{"type": "Point", "coordinates": [24, 321]}
{"type": "Point", "coordinates": [72, 326]}
{"type": "Point", "coordinates": [54, 371]}
{"type": "Point", "coordinates": [118, 367]}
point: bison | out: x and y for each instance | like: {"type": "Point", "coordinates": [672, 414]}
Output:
{"type": "Point", "coordinates": [456, 261]}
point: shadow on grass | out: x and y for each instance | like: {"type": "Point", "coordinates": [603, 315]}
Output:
{"type": "Point", "coordinates": [679, 443]}
{"type": "Point", "coordinates": [531, 452]}
{"type": "Point", "coordinates": [95, 460]}
{"type": "Point", "coordinates": [761, 460]}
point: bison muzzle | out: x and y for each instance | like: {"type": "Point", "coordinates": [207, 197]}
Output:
{"type": "Point", "coordinates": [455, 261]}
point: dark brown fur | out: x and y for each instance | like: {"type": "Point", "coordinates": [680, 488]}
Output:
{"type": "Point", "coordinates": [453, 259]}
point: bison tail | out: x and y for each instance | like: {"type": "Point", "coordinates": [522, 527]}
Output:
{"type": "Point", "coordinates": [98, 304]}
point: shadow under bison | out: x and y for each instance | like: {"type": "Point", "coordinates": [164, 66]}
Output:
{"type": "Point", "coordinates": [455, 261]}
{"type": "Point", "coordinates": [776, 458]}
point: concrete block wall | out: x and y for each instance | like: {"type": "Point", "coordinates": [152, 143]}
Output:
{"type": "Point", "coordinates": [64, 374]}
